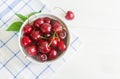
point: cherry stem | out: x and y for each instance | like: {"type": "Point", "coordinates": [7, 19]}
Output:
{"type": "Point", "coordinates": [57, 36]}
{"type": "Point", "coordinates": [43, 37]}
{"type": "Point", "coordinates": [60, 9]}
{"type": "Point", "coordinates": [52, 39]}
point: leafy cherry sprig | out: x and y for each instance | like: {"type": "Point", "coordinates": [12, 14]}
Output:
{"type": "Point", "coordinates": [15, 26]}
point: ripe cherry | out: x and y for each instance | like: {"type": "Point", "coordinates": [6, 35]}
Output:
{"type": "Point", "coordinates": [62, 34]}
{"type": "Point", "coordinates": [54, 22]}
{"type": "Point", "coordinates": [27, 29]}
{"type": "Point", "coordinates": [53, 54]}
{"type": "Point", "coordinates": [54, 41]}
{"type": "Point", "coordinates": [35, 34]}
{"type": "Point", "coordinates": [47, 20]}
{"type": "Point", "coordinates": [31, 50]}
{"type": "Point", "coordinates": [42, 57]}
{"type": "Point", "coordinates": [61, 46]}
{"type": "Point", "coordinates": [39, 41]}
{"type": "Point", "coordinates": [38, 22]}
{"type": "Point", "coordinates": [56, 27]}
{"type": "Point", "coordinates": [45, 28]}
{"type": "Point", "coordinates": [69, 15]}
{"type": "Point", "coordinates": [25, 41]}
{"type": "Point", "coordinates": [43, 47]}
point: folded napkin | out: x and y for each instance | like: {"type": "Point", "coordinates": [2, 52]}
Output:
{"type": "Point", "coordinates": [13, 65]}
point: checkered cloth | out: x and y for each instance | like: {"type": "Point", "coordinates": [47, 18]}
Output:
{"type": "Point", "coordinates": [13, 65]}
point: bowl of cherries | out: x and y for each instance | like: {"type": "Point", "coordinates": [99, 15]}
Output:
{"type": "Point", "coordinates": [44, 38]}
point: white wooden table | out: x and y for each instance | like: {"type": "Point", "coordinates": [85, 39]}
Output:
{"type": "Point", "coordinates": [97, 23]}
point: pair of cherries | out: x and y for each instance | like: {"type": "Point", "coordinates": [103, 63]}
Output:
{"type": "Point", "coordinates": [44, 39]}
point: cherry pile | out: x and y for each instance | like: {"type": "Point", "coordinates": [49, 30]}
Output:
{"type": "Point", "coordinates": [44, 39]}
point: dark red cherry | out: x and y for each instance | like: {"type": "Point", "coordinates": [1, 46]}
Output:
{"type": "Point", "coordinates": [42, 57]}
{"type": "Point", "coordinates": [27, 29]}
{"type": "Point", "coordinates": [45, 28]}
{"type": "Point", "coordinates": [61, 46]}
{"type": "Point", "coordinates": [54, 41]}
{"type": "Point", "coordinates": [43, 47]}
{"type": "Point", "coordinates": [57, 27]}
{"type": "Point", "coordinates": [62, 34]}
{"type": "Point", "coordinates": [47, 20]}
{"type": "Point", "coordinates": [69, 15]}
{"type": "Point", "coordinates": [53, 54]}
{"type": "Point", "coordinates": [38, 22]}
{"type": "Point", "coordinates": [54, 22]}
{"type": "Point", "coordinates": [31, 50]}
{"type": "Point", "coordinates": [39, 41]}
{"type": "Point", "coordinates": [25, 41]}
{"type": "Point", "coordinates": [35, 35]}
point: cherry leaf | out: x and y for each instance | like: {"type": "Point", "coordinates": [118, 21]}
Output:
{"type": "Point", "coordinates": [22, 17]}
{"type": "Point", "coordinates": [15, 26]}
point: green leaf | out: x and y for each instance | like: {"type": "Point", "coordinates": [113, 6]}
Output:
{"type": "Point", "coordinates": [33, 13]}
{"type": "Point", "coordinates": [22, 17]}
{"type": "Point", "coordinates": [15, 26]}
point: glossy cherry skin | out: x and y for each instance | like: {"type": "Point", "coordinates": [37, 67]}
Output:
{"type": "Point", "coordinates": [45, 28]}
{"type": "Point", "coordinates": [43, 47]}
{"type": "Point", "coordinates": [31, 50]}
{"type": "Point", "coordinates": [47, 20]}
{"type": "Point", "coordinates": [69, 15]}
{"type": "Point", "coordinates": [38, 22]}
{"type": "Point", "coordinates": [25, 41]}
{"type": "Point", "coordinates": [54, 22]}
{"type": "Point", "coordinates": [62, 46]}
{"type": "Point", "coordinates": [27, 29]}
{"type": "Point", "coordinates": [42, 57]}
{"type": "Point", "coordinates": [54, 41]}
{"type": "Point", "coordinates": [35, 35]}
{"type": "Point", "coordinates": [57, 27]}
{"type": "Point", "coordinates": [38, 42]}
{"type": "Point", "coordinates": [53, 54]}
{"type": "Point", "coordinates": [62, 34]}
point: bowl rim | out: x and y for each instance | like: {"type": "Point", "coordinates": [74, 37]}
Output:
{"type": "Point", "coordinates": [36, 16]}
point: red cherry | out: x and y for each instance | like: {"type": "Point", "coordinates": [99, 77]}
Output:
{"type": "Point", "coordinates": [53, 54]}
{"type": "Point", "coordinates": [62, 46]}
{"type": "Point", "coordinates": [35, 35]}
{"type": "Point", "coordinates": [38, 22]}
{"type": "Point", "coordinates": [42, 57]}
{"type": "Point", "coordinates": [62, 34]}
{"type": "Point", "coordinates": [54, 41]}
{"type": "Point", "coordinates": [47, 20]}
{"type": "Point", "coordinates": [31, 50]}
{"type": "Point", "coordinates": [69, 15]}
{"type": "Point", "coordinates": [27, 29]}
{"type": "Point", "coordinates": [54, 22]}
{"type": "Point", "coordinates": [39, 41]}
{"type": "Point", "coordinates": [45, 28]}
{"type": "Point", "coordinates": [57, 27]}
{"type": "Point", "coordinates": [25, 40]}
{"type": "Point", "coordinates": [43, 47]}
